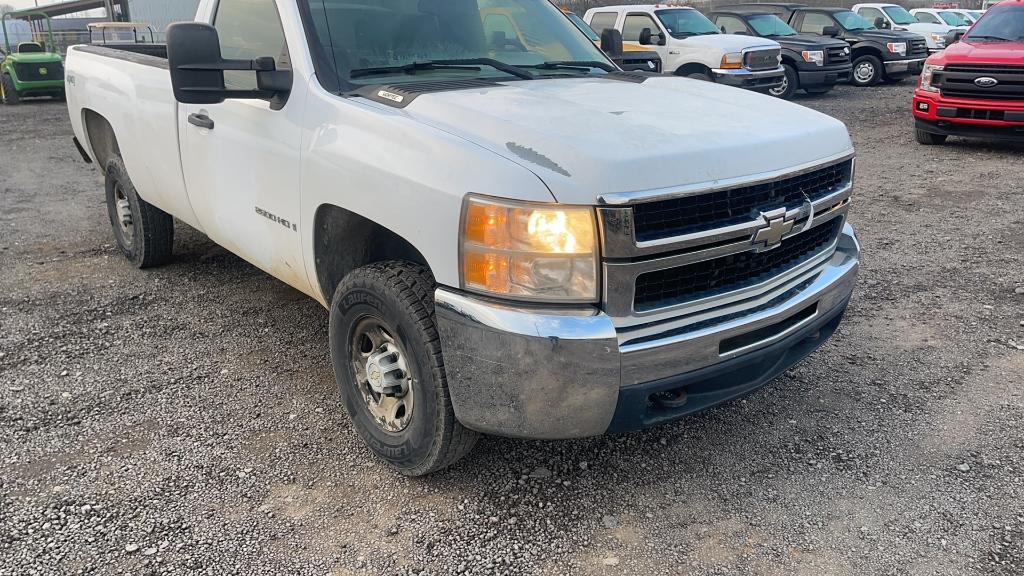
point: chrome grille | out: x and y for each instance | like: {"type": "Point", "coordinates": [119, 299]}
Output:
{"type": "Point", "coordinates": [656, 220]}
{"type": "Point", "coordinates": [671, 286]}
{"type": "Point", "coordinates": [762, 59]}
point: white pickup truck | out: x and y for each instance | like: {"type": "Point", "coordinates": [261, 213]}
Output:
{"type": "Point", "coordinates": [511, 241]}
{"type": "Point", "coordinates": [896, 17]}
{"type": "Point", "coordinates": [691, 45]}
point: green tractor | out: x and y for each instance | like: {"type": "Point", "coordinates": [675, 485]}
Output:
{"type": "Point", "coordinates": [28, 68]}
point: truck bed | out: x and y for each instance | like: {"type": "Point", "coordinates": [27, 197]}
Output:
{"type": "Point", "coordinates": [145, 54]}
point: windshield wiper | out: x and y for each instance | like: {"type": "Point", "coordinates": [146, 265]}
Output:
{"type": "Point", "coordinates": [408, 69]}
{"type": "Point", "coordinates": [987, 37]}
{"type": "Point", "coordinates": [454, 64]}
{"type": "Point", "coordinates": [583, 65]}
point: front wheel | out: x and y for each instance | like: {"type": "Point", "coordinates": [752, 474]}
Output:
{"type": "Point", "coordinates": [867, 71]}
{"type": "Point", "coordinates": [8, 93]}
{"type": "Point", "coordinates": [929, 139]}
{"type": "Point", "coordinates": [388, 365]}
{"type": "Point", "coordinates": [790, 84]}
{"type": "Point", "coordinates": [700, 76]}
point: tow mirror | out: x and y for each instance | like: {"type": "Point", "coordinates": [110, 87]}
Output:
{"type": "Point", "coordinates": [611, 43]}
{"type": "Point", "coordinates": [197, 69]}
{"type": "Point", "coordinates": [881, 23]}
{"type": "Point", "coordinates": [954, 36]}
{"type": "Point", "coordinates": [650, 38]}
{"type": "Point", "coordinates": [832, 31]}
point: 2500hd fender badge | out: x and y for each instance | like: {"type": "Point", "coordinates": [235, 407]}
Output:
{"type": "Point", "coordinates": [278, 219]}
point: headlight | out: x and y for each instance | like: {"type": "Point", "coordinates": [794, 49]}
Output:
{"type": "Point", "coordinates": [927, 75]}
{"type": "Point", "coordinates": [815, 56]}
{"type": "Point", "coordinates": [732, 61]}
{"type": "Point", "coordinates": [939, 39]}
{"type": "Point", "coordinates": [897, 48]}
{"type": "Point", "coordinates": [529, 251]}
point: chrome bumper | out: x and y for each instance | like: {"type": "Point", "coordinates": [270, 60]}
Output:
{"type": "Point", "coordinates": [897, 66]}
{"type": "Point", "coordinates": [561, 373]}
{"type": "Point", "coordinates": [744, 78]}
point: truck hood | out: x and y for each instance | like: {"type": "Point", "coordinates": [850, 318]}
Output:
{"type": "Point", "coordinates": [926, 28]}
{"type": "Point", "coordinates": [967, 51]}
{"type": "Point", "coordinates": [728, 42]}
{"type": "Point", "coordinates": [591, 136]}
{"type": "Point", "coordinates": [809, 42]}
{"type": "Point", "coordinates": [885, 36]}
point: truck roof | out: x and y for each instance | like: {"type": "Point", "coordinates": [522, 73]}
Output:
{"type": "Point", "coordinates": [640, 7]}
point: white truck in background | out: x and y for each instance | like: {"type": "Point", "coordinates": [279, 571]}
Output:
{"type": "Point", "coordinates": [896, 17]}
{"type": "Point", "coordinates": [515, 241]}
{"type": "Point", "coordinates": [691, 45]}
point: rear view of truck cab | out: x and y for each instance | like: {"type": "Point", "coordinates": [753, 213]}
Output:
{"type": "Point", "coordinates": [975, 88]}
{"type": "Point", "coordinates": [512, 238]}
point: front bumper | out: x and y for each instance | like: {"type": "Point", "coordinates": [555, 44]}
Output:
{"type": "Point", "coordinates": [752, 80]}
{"type": "Point", "coordinates": [561, 373]}
{"type": "Point", "coordinates": [903, 67]}
{"type": "Point", "coordinates": [985, 119]}
{"type": "Point", "coordinates": [821, 77]}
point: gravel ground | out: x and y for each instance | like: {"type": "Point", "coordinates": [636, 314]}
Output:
{"type": "Point", "coordinates": [185, 420]}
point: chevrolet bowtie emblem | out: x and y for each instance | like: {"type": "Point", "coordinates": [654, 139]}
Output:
{"type": "Point", "coordinates": [775, 228]}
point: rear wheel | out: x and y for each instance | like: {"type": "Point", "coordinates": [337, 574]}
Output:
{"type": "Point", "coordinates": [927, 138]}
{"type": "Point", "coordinates": [387, 361]}
{"type": "Point", "coordinates": [867, 71]}
{"type": "Point", "coordinates": [8, 93]}
{"type": "Point", "coordinates": [790, 84]}
{"type": "Point", "coordinates": [144, 233]}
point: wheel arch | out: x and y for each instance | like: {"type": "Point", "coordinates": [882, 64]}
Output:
{"type": "Point", "coordinates": [344, 241]}
{"type": "Point", "coordinates": [692, 67]}
{"type": "Point", "coordinates": [866, 50]}
{"type": "Point", "coordinates": [100, 137]}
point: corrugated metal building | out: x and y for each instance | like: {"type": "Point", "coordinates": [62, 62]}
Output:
{"type": "Point", "coordinates": [161, 13]}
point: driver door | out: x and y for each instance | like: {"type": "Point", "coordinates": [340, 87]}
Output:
{"type": "Point", "coordinates": [241, 157]}
{"type": "Point", "coordinates": [634, 24]}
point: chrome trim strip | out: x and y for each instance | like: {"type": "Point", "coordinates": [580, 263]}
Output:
{"type": "Point", "coordinates": [627, 198]}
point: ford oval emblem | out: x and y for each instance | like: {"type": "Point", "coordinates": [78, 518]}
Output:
{"type": "Point", "coordinates": [986, 81]}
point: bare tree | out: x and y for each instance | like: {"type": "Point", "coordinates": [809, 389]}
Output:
{"type": "Point", "coordinates": [5, 8]}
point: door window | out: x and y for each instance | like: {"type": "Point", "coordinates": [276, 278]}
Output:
{"type": "Point", "coordinates": [602, 20]}
{"type": "Point", "coordinates": [250, 29]}
{"type": "Point", "coordinates": [815, 23]}
{"type": "Point", "coordinates": [635, 24]}
{"type": "Point", "coordinates": [871, 14]}
{"type": "Point", "coordinates": [731, 25]}
{"type": "Point", "coordinates": [926, 17]}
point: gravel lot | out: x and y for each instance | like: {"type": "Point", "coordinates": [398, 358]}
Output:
{"type": "Point", "coordinates": [185, 420]}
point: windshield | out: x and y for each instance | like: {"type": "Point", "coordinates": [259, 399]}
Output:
{"type": "Point", "coordinates": [851, 21]}
{"type": "Point", "coordinates": [582, 25]}
{"type": "Point", "coordinates": [681, 22]}
{"type": "Point", "coordinates": [900, 15]}
{"type": "Point", "coordinates": [976, 14]}
{"type": "Point", "coordinates": [770, 25]}
{"type": "Point", "coordinates": [999, 24]}
{"type": "Point", "coordinates": [953, 19]}
{"type": "Point", "coordinates": [378, 39]}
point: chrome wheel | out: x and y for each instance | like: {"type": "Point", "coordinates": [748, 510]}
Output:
{"type": "Point", "coordinates": [782, 87]}
{"type": "Point", "coordinates": [864, 72]}
{"type": "Point", "coordinates": [382, 374]}
{"type": "Point", "coordinates": [124, 214]}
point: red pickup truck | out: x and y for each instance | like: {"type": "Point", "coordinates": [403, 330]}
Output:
{"type": "Point", "coordinates": [975, 87]}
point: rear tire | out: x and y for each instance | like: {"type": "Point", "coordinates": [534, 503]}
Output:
{"type": "Point", "coordinates": [867, 71]}
{"type": "Point", "coordinates": [10, 94]}
{"type": "Point", "coordinates": [929, 139]}
{"type": "Point", "coordinates": [144, 233]}
{"type": "Point", "coordinates": [790, 84]}
{"type": "Point", "coordinates": [382, 317]}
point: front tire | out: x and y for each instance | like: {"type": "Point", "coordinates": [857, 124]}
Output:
{"type": "Point", "coordinates": [700, 76]}
{"type": "Point", "coordinates": [929, 139]}
{"type": "Point", "coordinates": [790, 84]}
{"type": "Point", "coordinates": [144, 233]}
{"type": "Point", "coordinates": [9, 93]}
{"type": "Point", "coordinates": [867, 71]}
{"type": "Point", "coordinates": [388, 365]}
